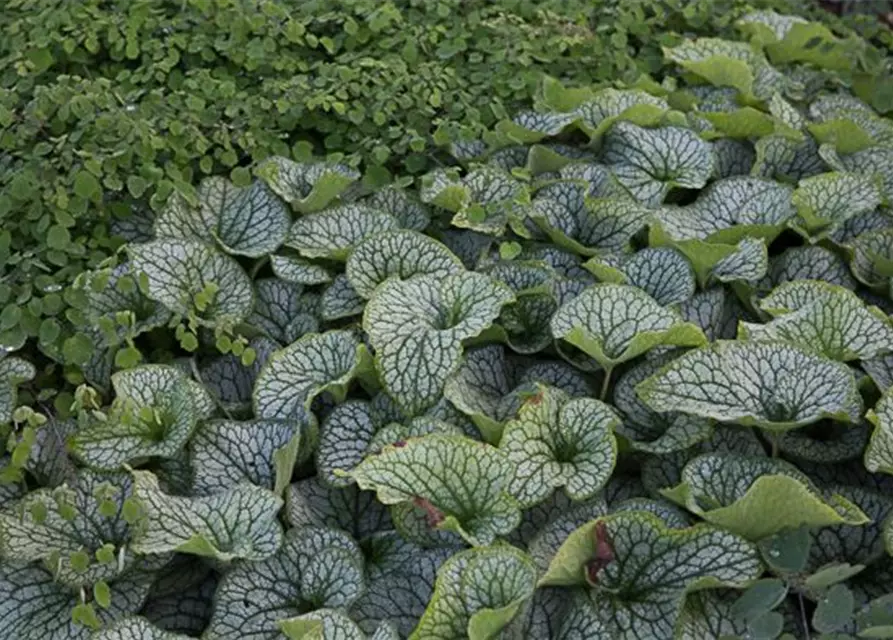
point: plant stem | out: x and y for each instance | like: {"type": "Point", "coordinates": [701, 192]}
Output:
{"type": "Point", "coordinates": [774, 440]}
{"type": "Point", "coordinates": [605, 384]}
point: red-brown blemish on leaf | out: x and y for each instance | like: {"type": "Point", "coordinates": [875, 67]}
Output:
{"type": "Point", "coordinates": [535, 399]}
{"type": "Point", "coordinates": [400, 443]}
{"type": "Point", "coordinates": [433, 515]}
{"type": "Point", "coordinates": [604, 553]}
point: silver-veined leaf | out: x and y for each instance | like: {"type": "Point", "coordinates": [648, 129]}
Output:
{"type": "Point", "coordinates": [225, 453]}
{"type": "Point", "coordinates": [135, 628]}
{"type": "Point", "coordinates": [299, 270]}
{"type": "Point", "coordinates": [282, 312]}
{"type": "Point", "coordinates": [417, 327]}
{"type": "Point", "coordinates": [239, 522]}
{"type": "Point", "coordinates": [333, 233]}
{"type": "Point", "coordinates": [490, 386]}
{"type": "Point", "coordinates": [400, 254]}
{"type": "Point", "coordinates": [661, 272]}
{"type": "Point", "coordinates": [35, 607]}
{"type": "Point", "coordinates": [307, 186]}
{"type": "Point", "coordinates": [639, 570]}
{"type": "Point", "coordinates": [314, 569]}
{"type": "Point", "coordinates": [649, 162]}
{"type": "Point", "coordinates": [477, 594]}
{"type": "Point", "coordinates": [560, 442]}
{"type": "Point", "coordinates": [757, 497]}
{"type": "Point", "coordinates": [872, 260]}
{"type": "Point", "coordinates": [294, 376]}
{"type": "Point", "coordinates": [154, 413]}
{"type": "Point", "coordinates": [179, 270]}
{"type": "Point", "coordinates": [461, 483]}
{"type": "Point", "coordinates": [313, 503]}
{"type": "Point", "coordinates": [340, 300]}
{"type": "Point", "coordinates": [826, 201]}
{"type": "Point", "coordinates": [614, 323]}
{"type": "Point", "coordinates": [879, 453]}
{"type": "Point", "coordinates": [773, 385]}
{"type": "Point", "coordinates": [824, 317]}
{"type": "Point", "coordinates": [13, 372]}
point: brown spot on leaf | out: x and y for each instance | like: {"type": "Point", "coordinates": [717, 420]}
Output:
{"type": "Point", "coordinates": [603, 555]}
{"type": "Point", "coordinates": [433, 515]}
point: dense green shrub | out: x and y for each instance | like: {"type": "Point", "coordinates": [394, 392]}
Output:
{"type": "Point", "coordinates": [110, 106]}
{"type": "Point", "coordinates": [604, 373]}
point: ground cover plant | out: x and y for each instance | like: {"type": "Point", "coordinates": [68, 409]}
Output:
{"type": "Point", "coordinates": [621, 368]}
{"type": "Point", "coordinates": [110, 105]}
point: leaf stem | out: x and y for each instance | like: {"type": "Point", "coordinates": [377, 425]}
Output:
{"type": "Point", "coordinates": [774, 440]}
{"type": "Point", "coordinates": [605, 384]}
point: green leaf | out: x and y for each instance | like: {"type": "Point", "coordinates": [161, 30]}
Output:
{"type": "Point", "coordinates": [406, 208]}
{"type": "Point", "coordinates": [879, 452]}
{"type": "Point", "coordinates": [772, 385]}
{"type": "Point", "coordinates": [314, 569]}
{"type": "Point", "coordinates": [294, 376]}
{"type": "Point", "coordinates": [417, 327]}
{"type": "Point", "coordinates": [333, 233]}
{"type": "Point", "coordinates": [557, 441]}
{"type": "Point", "coordinates": [614, 323]}
{"type": "Point", "coordinates": [461, 483]}
{"type": "Point", "coordinates": [649, 162]}
{"type": "Point", "coordinates": [639, 571]}
{"type": "Point", "coordinates": [756, 497]}
{"type": "Point", "coordinates": [609, 105]}
{"type": "Point", "coordinates": [477, 594]}
{"type": "Point", "coordinates": [178, 271]}
{"type": "Point", "coordinates": [401, 254]}
{"type": "Point", "coordinates": [661, 272]}
{"type": "Point", "coordinates": [835, 610]}
{"type": "Point", "coordinates": [826, 201]}
{"type": "Point", "coordinates": [154, 414]}
{"type": "Point", "coordinates": [759, 598]}
{"type": "Point", "coordinates": [239, 522]}
{"type": "Point", "coordinates": [528, 127]}
{"type": "Point", "coordinates": [13, 372]}
{"type": "Point", "coordinates": [749, 262]}
{"type": "Point", "coordinates": [824, 317]}
{"type": "Point", "coordinates": [307, 186]}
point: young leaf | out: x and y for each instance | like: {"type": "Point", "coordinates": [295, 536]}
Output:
{"type": "Point", "coordinates": [772, 385]}
{"type": "Point", "coordinates": [614, 323]}
{"type": "Point", "coordinates": [556, 442]}
{"type": "Point", "coordinates": [462, 484]}
{"type": "Point", "coordinates": [417, 327]}
{"type": "Point", "coordinates": [239, 522]}
{"type": "Point", "coordinates": [477, 594]}
{"type": "Point", "coordinates": [640, 571]}
{"type": "Point", "coordinates": [756, 497]}
{"type": "Point", "coordinates": [294, 376]}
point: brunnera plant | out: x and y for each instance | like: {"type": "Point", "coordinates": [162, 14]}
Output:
{"type": "Point", "coordinates": [623, 369]}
